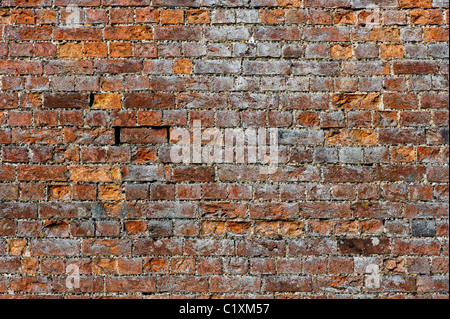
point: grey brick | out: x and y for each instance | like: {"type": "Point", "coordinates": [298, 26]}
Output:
{"type": "Point", "coordinates": [440, 4]}
{"type": "Point", "coordinates": [247, 16]}
{"type": "Point", "coordinates": [439, 50]}
{"type": "Point", "coordinates": [317, 51]}
{"type": "Point", "coordinates": [227, 33]}
{"type": "Point", "coordinates": [253, 101]}
{"type": "Point", "coordinates": [318, 191]}
{"type": "Point", "coordinates": [222, 16]}
{"type": "Point", "coordinates": [332, 119]}
{"type": "Point", "coordinates": [177, 3]}
{"type": "Point", "coordinates": [297, 84]}
{"type": "Point", "coordinates": [440, 83]}
{"type": "Point", "coordinates": [315, 68]}
{"type": "Point", "coordinates": [266, 67]}
{"type": "Point", "coordinates": [227, 119]}
{"type": "Point", "coordinates": [62, 83]}
{"type": "Point", "coordinates": [367, 4]}
{"type": "Point", "coordinates": [366, 51]}
{"type": "Point", "coordinates": [216, 66]}
{"type": "Point", "coordinates": [225, 3]}
{"type": "Point", "coordinates": [143, 173]}
{"type": "Point", "coordinates": [273, 84]}
{"type": "Point", "coordinates": [370, 84]}
{"type": "Point", "coordinates": [423, 228]}
{"type": "Point", "coordinates": [325, 155]}
{"type": "Point", "coordinates": [411, 34]}
{"type": "Point", "coordinates": [417, 51]}
{"type": "Point", "coordinates": [269, 50]}
{"type": "Point", "coordinates": [219, 84]}
{"type": "Point", "coordinates": [194, 49]}
{"type": "Point", "coordinates": [300, 137]}
{"type": "Point", "coordinates": [420, 83]}
{"type": "Point", "coordinates": [293, 51]}
{"type": "Point", "coordinates": [219, 50]}
{"type": "Point", "coordinates": [244, 50]}
{"type": "Point", "coordinates": [364, 68]}
{"type": "Point", "coordinates": [243, 83]}
{"type": "Point", "coordinates": [361, 264]}
{"type": "Point", "coordinates": [376, 155]}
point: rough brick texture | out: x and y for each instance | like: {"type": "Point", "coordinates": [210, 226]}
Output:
{"type": "Point", "coordinates": [94, 92]}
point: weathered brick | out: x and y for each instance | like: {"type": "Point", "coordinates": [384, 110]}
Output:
{"type": "Point", "coordinates": [143, 135]}
{"type": "Point", "coordinates": [311, 246]}
{"type": "Point", "coordinates": [235, 284]}
{"type": "Point", "coordinates": [364, 246]}
{"type": "Point", "coordinates": [130, 284]}
{"type": "Point", "coordinates": [182, 284]}
{"type": "Point", "coordinates": [415, 67]}
{"type": "Point", "coordinates": [149, 100]}
{"type": "Point", "coordinates": [54, 247]}
{"type": "Point", "coordinates": [41, 173]}
{"type": "Point", "coordinates": [66, 100]}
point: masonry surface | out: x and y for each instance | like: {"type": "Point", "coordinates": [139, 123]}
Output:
{"type": "Point", "coordinates": [92, 92]}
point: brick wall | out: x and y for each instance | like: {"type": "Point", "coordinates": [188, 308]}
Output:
{"type": "Point", "coordinates": [94, 94]}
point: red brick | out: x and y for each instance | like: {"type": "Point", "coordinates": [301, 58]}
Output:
{"type": "Point", "coordinates": [191, 174]}
{"type": "Point", "coordinates": [149, 100]}
{"type": "Point", "coordinates": [364, 246]}
{"type": "Point", "coordinates": [288, 284]}
{"type": "Point", "coordinates": [415, 67]}
{"type": "Point", "coordinates": [128, 33]}
{"type": "Point", "coordinates": [41, 173]}
{"type": "Point", "coordinates": [130, 284]}
{"type": "Point", "coordinates": [143, 135]}
{"type": "Point", "coordinates": [182, 284]}
{"type": "Point", "coordinates": [235, 284]}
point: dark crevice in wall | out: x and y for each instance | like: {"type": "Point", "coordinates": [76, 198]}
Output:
{"type": "Point", "coordinates": [91, 100]}
{"type": "Point", "coordinates": [117, 135]}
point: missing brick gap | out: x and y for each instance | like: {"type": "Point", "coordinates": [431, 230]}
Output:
{"type": "Point", "coordinates": [117, 135]}
{"type": "Point", "coordinates": [91, 99]}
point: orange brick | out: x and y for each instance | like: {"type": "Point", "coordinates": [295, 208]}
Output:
{"type": "Point", "coordinates": [172, 16]}
{"type": "Point", "coordinates": [110, 192]}
{"type": "Point", "coordinates": [201, 16]}
{"type": "Point", "coordinates": [59, 192]}
{"type": "Point", "coordinates": [30, 265]}
{"type": "Point", "coordinates": [403, 154]}
{"type": "Point", "coordinates": [22, 16]}
{"type": "Point", "coordinates": [107, 101]}
{"type": "Point", "coordinates": [148, 15]}
{"type": "Point", "coordinates": [388, 51]}
{"type": "Point", "coordinates": [95, 49]}
{"type": "Point", "coordinates": [106, 266]}
{"type": "Point", "coordinates": [183, 66]}
{"type": "Point", "coordinates": [71, 50]}
{"type": "Point", "coordinates": [340, 51]}
{"type": "Point", "coordinates": [345, 17]}
{"type": "Point", "coordinates": [120, 49]}
{"type": "Point", "coordinates": [435, 34]}
{"type": "Point", "coordinates": [17, 246]}
{"type": "Point", "coordinates": [272, 16]}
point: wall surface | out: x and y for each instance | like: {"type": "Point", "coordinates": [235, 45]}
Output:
{"type": "Point", "coordinates": [349, 96]}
